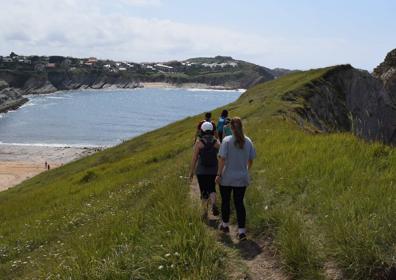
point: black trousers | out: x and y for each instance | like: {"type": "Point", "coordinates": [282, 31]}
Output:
{"type": "Point", "coordinates": [207, 185]}
{"type": "Point", "coordinates": [239, 194]}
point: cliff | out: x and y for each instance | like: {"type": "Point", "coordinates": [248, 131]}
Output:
{"type": "Point", "coordinates": [10, 98]}
{"type": "Point", "coordinates": [386, 71]}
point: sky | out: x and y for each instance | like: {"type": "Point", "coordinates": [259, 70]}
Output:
{"type": "Point", "coordinates": [290, 34]}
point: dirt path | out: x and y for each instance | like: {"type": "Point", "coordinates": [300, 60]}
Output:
{"type": "Point", "coordinates": [257, 255]}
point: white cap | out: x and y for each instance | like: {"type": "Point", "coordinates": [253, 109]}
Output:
{"type": "Point", "coordinates": [207, 126]}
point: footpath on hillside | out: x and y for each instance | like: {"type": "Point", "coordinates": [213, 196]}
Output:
{"type": "Point", "coordinates": [260, 261]}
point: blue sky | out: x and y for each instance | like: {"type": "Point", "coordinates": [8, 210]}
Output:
{"type": "Point", "coordinates": [291, 34]}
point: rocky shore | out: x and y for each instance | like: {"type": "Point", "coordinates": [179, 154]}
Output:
{"type": "Point", "coordinates": [10, 98]}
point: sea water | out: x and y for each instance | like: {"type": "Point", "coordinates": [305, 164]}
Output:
{"type": "Point", "coordinates": [103, 117]}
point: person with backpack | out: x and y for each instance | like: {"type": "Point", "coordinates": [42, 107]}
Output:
{"type": "Point", "coordinates": [220, 124]}
{"type": "Point", "coordinates": [205, 164]}
{"type": "Point", "coordinates": [235, 159]}
{"type": "Point", "coordinates": [208, 118]}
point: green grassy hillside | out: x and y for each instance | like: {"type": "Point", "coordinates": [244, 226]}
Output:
{"type": "Point", "coordinates": [325, 199]}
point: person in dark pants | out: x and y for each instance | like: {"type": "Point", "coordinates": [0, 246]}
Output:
{"type": "Point", "coordinates": [205, 163]}
{"type": "Point", "coordinates": [235, 159]}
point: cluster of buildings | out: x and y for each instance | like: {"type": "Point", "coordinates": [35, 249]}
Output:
{"type": "Point", "coordinates": [44, 63]}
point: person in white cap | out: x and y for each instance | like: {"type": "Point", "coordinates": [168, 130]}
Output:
{"type": "Point", "coordinates": [204, 164]}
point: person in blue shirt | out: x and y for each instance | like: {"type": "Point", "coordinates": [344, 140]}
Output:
{"type": "Point", "coordinates": [220, 124]}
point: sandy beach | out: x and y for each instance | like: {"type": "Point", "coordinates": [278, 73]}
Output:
{"type": "Point", "coordinates": [184, 85]}
{"type": "Point", "coordinates": [18, 163]}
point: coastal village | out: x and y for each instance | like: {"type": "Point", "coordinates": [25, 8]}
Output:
{"type": "Point", "coordinates": [47, 63]}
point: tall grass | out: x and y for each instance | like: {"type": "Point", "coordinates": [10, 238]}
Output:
{"type": "Point", "coordinates": [125, 212]}
{"type": "Point", "coordinates": [120, 214]}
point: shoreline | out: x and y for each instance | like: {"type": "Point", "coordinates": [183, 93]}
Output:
{"type": "Point", "coordinates": [192, 86]}
{"type": "Point", "coordinates": [21, 162]}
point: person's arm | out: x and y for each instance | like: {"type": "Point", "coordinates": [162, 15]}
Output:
{"type": "Point", "coordinates": [220, 170]}
{"type": "Point", "coordinates": [250, 163]}
{"type": "Point", "coordinates": [194, 160]}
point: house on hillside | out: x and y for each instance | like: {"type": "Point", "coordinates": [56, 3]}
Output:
{"type": "Point", "coordinates": [25, 61]}
{"type": "Point", "coordinates": [50, 65]}
{"type": "Point", "coordinates": [39, 67]}
{"type": "Point", "coordinates": [7, 59]}
{"type": "Point", "coordinates": [92, 60]}
{"type": "Point", "coordinates": [163, 67]}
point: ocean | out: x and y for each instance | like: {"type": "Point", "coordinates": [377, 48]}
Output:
{"type": "Point", "coordinates": [101, 118]}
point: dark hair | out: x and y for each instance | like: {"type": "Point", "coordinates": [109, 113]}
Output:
{"type": "Point", "coordinates": [208, 115]}
{"type": "Point", "coordinates": [237, 130]}
{"type": "Point", "coordinates": [224, 114]}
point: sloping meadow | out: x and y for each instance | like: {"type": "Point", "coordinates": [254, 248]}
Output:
{"type": "Point", "coordinates": [326, 200]}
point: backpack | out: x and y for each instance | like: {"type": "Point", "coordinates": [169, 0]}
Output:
{"type": "Point", "coordinates": [208, 154]}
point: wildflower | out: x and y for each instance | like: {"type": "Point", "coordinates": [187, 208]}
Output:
{"type": "Point", "coordinates": [160, 267]}
{"type": "Point", "coordinates": [177, 254]}
{"type": "Point", "coordinates": [266, 207]}
{"type": "Point", "coordinates": [172, 266]}
{"type": "Point", "coordinates": [167, 255]}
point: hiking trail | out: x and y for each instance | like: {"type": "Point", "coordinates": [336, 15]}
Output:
{"type": "Point", "coordinates": [256, 255]}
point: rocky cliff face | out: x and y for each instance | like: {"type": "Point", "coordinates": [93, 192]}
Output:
{"type": "Point", "coordinates": [386, 71]}
{"type": "Point", "coordinates": [10, 98]}
{"type": "Point", "coordinates": [348, 99]}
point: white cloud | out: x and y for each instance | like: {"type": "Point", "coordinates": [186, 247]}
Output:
{"type": "Point", "coordinates": [88, 28]}
{"type": "Point", "coordinates": [142, 2]}
{"type": "Point", "coordinates": [83, 29]}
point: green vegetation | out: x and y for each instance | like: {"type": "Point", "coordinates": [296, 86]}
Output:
{"type": "Point", "coordinates": [126, 212]}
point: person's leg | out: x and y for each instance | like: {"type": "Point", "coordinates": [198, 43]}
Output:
{"type": "Point", "coordinates": [212, 194]}
{"type": "Point", "coordinates": [202, 182]}
{"type": "Point", "coordinates": [220, 136]}
{"type": "Point", "coordinates": [239, 193]}
{"type": "Point", "coordinates": [225, 193]}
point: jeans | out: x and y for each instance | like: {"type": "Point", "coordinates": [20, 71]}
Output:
{"type": "Point", "coordinates": [239, 193]}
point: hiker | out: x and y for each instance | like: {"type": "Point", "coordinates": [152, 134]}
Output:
{"type": "Point", "coordinates": [235, 159]}
{"type": "Point", "coordinates": [227, 128]}
{"type": "Point", "coordinates": [45, 165]}
{"type": "Point", "coordinates": [204, 163]}
{"type": "Point", "coordinates": [220, 124]}
{"type": "Point", "coordinates": [48, 167]}
{"type": "Point", "coordinates": [208, 118]}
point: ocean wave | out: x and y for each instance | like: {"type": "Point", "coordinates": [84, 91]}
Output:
{"type": "Point", "coordinates": [57, 97]}
{"type": "Point", "coordinates": [217, 90]}
{"type": "Point", "coordinates": [28, 104]}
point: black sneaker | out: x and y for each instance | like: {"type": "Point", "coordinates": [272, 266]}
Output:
{"type": "Point", "coordinates": [224, 229]}
{"type": "Point", "coordinates": [215, 210]}
{"type": "Point", "coordinates": [242, 236]}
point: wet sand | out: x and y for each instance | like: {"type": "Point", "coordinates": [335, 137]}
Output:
{"type": "Point", "coordinates": [18, 163]}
